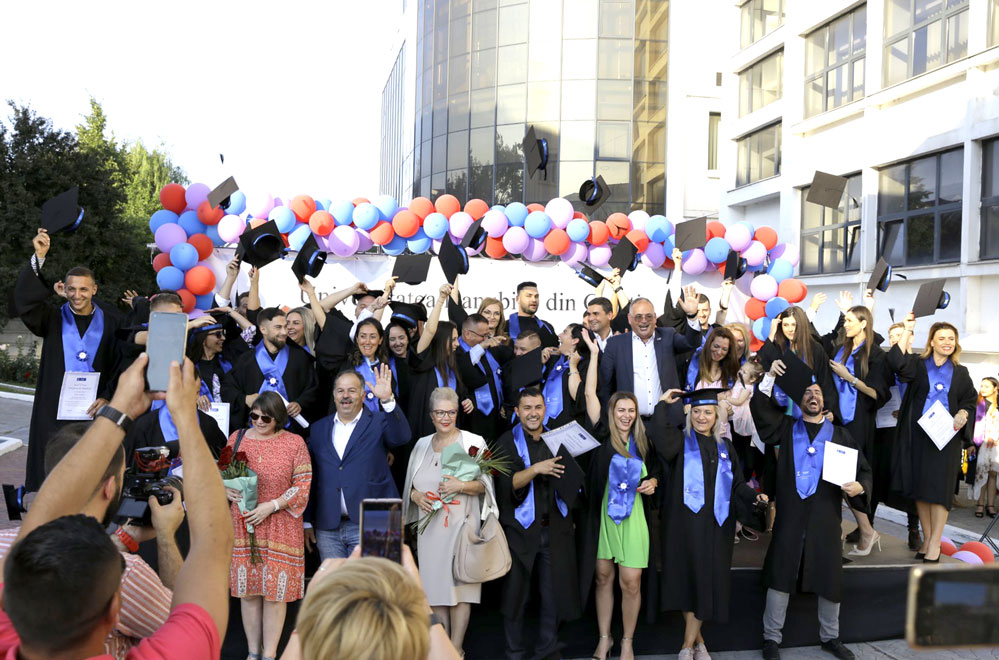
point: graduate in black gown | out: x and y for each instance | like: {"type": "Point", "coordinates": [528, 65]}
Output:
{"type": "Point", "coordinates": [397, 337]}
{"type": "Point", "coordinates": [78, 335]}
{"type": "Point", "coordinates": [525, 318]}
{"type": "Point", "coordinates": [920, 471]}
{"type": "Point", "coordinates": [563, 386]}
{"type": "Point", "coordinates": [275, 364]}
{"type": "Point", "coordinates": [704, 487]}
{"type": "Point", "coordinates": [213, 349]}
{"type": "Point", "coordinates": [481, 373]}
{"type": "Point", "coordinates": [806, 548]}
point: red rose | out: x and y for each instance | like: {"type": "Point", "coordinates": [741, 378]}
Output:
{"type": "Point", "coordinates": [225, 458]}
{"type": "Point", "coordinates": [472, 451]}
{"type": "Point", "coordinates": [240, 457]}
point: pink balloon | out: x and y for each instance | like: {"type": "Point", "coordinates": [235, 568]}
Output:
{"type": "Point", "coordinates": [654, 255]}
{"type": "Point", "coordinates": [231, 228]}
{"type": "Point", "coordinates": [343, 241]}
{"type": "Point", "coordinates": [516, 240]}
{"type": "Point", "coordinates": [169, 235]}
{"type": "Point", "coordinates": [495, 223]}
{"type": "Point", "coordinates": [364, 241]}
{"type": "Point", "coordinates": [695, 263]}
{"type": "Point", "coordinates": [262, 207]}
{"type": "Point", "coordinates": [738, 236]}
{"type": "Point", "coordinates": [560, 211]}
{"type": "Point", "coordinates": [600, 255]}
{"type": "Point", "coordinates": [195, 194]}
{"type": "Point", "coordinates": [638, 219]}
{"type": "Point", "coordinates": [764, 287]}
{"type": "Point", "coordinates": [575, 255]}
{"type": "Point", "coordinates": [460, 222]}
{"type": "Point", "coordinates": [535, 250]}
{"type": "Point", "coordinates": [755, 253]}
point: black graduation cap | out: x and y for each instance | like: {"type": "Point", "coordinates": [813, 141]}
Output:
{"type": "Point", "coordinates": [797, 377]}
{"type": "Point", "coordinates": [525, 370]}
{"type": "Point", "coordinates": [261, 245]}
{"type": "Point", "coordinates": [930, 297]}
{"type": "Point", "coordinates": [62, 212]}
{"type": "Point", "coordinates": [891, 313]}
{"type": "Point", "coordinates": [535, 152]}
{"type": "Point", "coordinates": [594, 192]}
{"type": "Point", "coordinates": [568, 485]}
{"type": "Point", "coordinates": [735, 266]}
{"type": "Point", "coordinates": [220, 196]}
{"type": "Point", "coordinates": [374, 293]}
{"type": "Point", "coordinates": [408, 313]}
{"type": "Point", "coordinates": [590, 276]}
{"type": "Point", "coordinates": [310, 260]}
{"type": "Point", "coordinates": [706, 396]}
{"type": "Point", "coordinates": [412, 268]}
{"type": "Point", "coordinates": [453, 258]}
{"type": "Point", "coordinates": [212, 327]}
{"type": "Point", "coordinates": [691, 234]}
{"type": "Point", "coordinates": [826, 189]}
{"type": "Point", "coordinates": [474, 237]}
{"type": "Point", "coordinates": [624, 256]}
{"type": "Point", "coordinates": [880, 276]}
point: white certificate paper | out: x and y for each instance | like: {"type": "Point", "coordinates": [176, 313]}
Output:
{"type": "Point", "coordinates": [298, 418]}
{"type": "Point", "coordinates": [938, 424]}
{"type": "Point", "coordinates": [885, 419]}
{"type": "Point", "coordinates": [78, 393]}
{"type": "Point", "coordinates": [220, 413]}
{"type": "Point", "coordinates": [576, 440]}
{"type": "Point", "coordinates": [839, 464]}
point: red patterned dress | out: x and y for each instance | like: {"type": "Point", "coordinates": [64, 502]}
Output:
{"type": "Point", "coordinates": [284, 469]}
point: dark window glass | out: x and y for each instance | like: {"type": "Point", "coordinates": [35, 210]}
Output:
{"type": "Point", "coordinates": [457, 185]}
{"type": "Point", "coordinates": [829, 237]}
{"type": "Point", "coordinates": [509, 183]}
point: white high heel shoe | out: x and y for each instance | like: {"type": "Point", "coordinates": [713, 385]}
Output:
{"type": "Point", "coordinates": [857, 552]}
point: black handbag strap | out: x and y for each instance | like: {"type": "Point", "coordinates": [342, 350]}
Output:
{"type": "Point", "coordinates": [239, 439]}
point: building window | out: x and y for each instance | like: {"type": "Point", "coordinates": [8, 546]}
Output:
{"type": "Point", "coordinates": [990, 200]}
{"type": "Point", "coordinates": [760, 18]}
{"type": "Point", "coordinates": [829, 237]}
{"type": "Point", "coordinates": [760, 84]}
{"type": "Point", "coordinates": [919, 210]}
{"type": "Point", "coordinates": [759, 155]}
{"type": "Point", "coordinates": [922, 35]}
{"type": "Point", "coordinates": [714, 121]}
{"type": "Point", "coordinates": [834, 62]}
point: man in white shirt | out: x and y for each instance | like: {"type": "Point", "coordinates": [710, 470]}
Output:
{"type": "Point", "coordinates": [599, 312]}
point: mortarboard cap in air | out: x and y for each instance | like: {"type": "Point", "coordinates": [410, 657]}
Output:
{"type": "Point", "coordinates": [691, 234]}
{"type": "Point", "coordinates": [261, 245]}
{"type": "Point", "coordinates": [62, 212]}
{"type": "Point", "coordinates": [826, 190]}
{"type": "Point", "coordinates": [220, 196]}
{"type": "Point", "coordinates": [412, 268]}
{"type": "Point", "coordinates": [930, 297]}
{"type": "Point", "coordinates": [309, 261]}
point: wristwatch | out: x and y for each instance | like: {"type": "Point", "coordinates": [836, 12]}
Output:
{"type": "Point", "coordinates": [435, 620]}
{"type": "Point", "coordinates": [120, 419]}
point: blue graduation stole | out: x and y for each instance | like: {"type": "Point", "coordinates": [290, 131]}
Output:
{"type": "Point", "coordinates": [940, 379]}
{"type": "Point", "coordinates": [693, 478]}
{"type": "Point", "coordinates": [622, 479]}
{"type": "Point", "coordinates": [452, 382]}
{"type": "Point", "coordinates": [166, 420]}
{"type": "Point", "coordinates": [525, 510]}
{"type": "Point", "coordinates": [78, 352]}
{"type": "Point", "coordinates": [694, 370]}
{"type": "Point", "coordinates": [553, 390]}
{"type": "Point", "coordinates": [847, 392]}
{"type": "Point", "coordinates": [808, 456]}
{"type": "Point", "coordinates": [368, 376]}
{"type": "Point", "coordinates": [901, 388]}
{"type": "Point", "coordinates": [483, 397]}
{"type": "Point", "coordinates": [273, 370]}
{"type": "Point", "coordinates": [395, 375]}
{"type": "Point", "coordinates": [513, 324]}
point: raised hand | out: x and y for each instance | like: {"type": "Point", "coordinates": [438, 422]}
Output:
{"type": "Point", "coordinates": [390, 284]}
{"type": "Point", "coordinates": [232, 268]}
{"type": "Point", "coordinates": [382, 387]}
{"type": "Point", "coordinates": [254, 273]}
{"type": "Point", "coordinates": [671, 396]}
{"type": "Point", "coordinates": [590, 343]}
{"type": "Point", "coordinates": [128, 296]}
{"type": "Point", "coordinates": [869, 299]}
{"type": "Point", "coordinates": [677, 256]}
{"type": "Point", "coordinates": [777, 368]}
{"type": "Point", "coordinates": [307, 287]}
{"type": "Point", "coordinates": [910, 322]}
{"type": "Point", "coordinates": [689, 302]}
{"type": "Point", "coordinates": [60, 288]}
{"type": "Point", "coordinates": [845, 301]}
{"type": "Point", "coordinates": [445, 290]}
{"type": "Point", "coordinates": [41, 242]}
{"type": "Point", "coordinates": [574, 359]}
{"type": "Point", "coordinates": [817, 301]}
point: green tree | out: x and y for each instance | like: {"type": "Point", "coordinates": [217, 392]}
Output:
{"type": "Point", "coordinates": [148, 171]}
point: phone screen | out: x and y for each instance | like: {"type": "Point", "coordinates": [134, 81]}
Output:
{"type": "Point", "coordinates": [381, 529]}
{"type": "Point", "coordinates": [953, 606]}
{"type": "Point", "coordinates": [165, 342]}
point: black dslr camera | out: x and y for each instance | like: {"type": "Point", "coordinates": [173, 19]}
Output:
{"type": "Point", "coordinates": [147, 477]}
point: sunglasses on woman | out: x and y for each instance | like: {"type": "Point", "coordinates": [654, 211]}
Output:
{"type": "Point", "coordinates": [257, 417]}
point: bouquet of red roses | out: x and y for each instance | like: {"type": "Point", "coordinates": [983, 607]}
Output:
{"type": "Point", "coordinates": [236, 474]}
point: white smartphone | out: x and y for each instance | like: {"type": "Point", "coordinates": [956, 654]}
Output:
{"type": "Point", "coordinates": [165, 343]}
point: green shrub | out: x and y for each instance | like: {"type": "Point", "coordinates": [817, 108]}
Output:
{"type": "Point", "coordinates": [19, 362]}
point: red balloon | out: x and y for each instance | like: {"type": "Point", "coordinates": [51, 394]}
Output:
{"type": "Point", "coordinates": [668, 263]}
{"type": "Point", "coordinates": [405, 223]}
{"type": "Point", "coordinates": [208, 215]}
{"type": "Point", "coordinates": [947, 548]}
{"type": "Point", "coordinates": [639, 238]}
{"type": "Point", "coordinates": [422, 207]}
{"type": "Point", "coordinates": [187, 298]}
{"type": "Point", "coordinates": [476, 208]}
{"type": "Point", "coordinates": [382, 233]}
{"type": "Point", "coordinates": [756, 308]}
{"type": "Point", "coordinates": [580, 214]}
{"type": "Point", "coordinates": [534, 206]}
{"type": "Point", "coordinates": [755, 344]}
{"type": "Point", "coordinates": [172, 198]}
{"type": "Point", "coordinates": [256, 222]}
{"type": "Point", "coordinates": [599, 233]}
{"type": "Point", "coordinates": [448, 205]}
{"type": "Point", "coordinates": [303, 207]}
{"type": "Point", "coordinates": [983, 551]}
{"type": "Point", "coordinates": [203, 244]}
{"type": "Point", "coordinates": [494, 248]}
{"type": "Point", "coordinates": [619, 224]}
{"type": "Point", "coordinates": [161, 261]}
{"type": "Point", "coordinates": [557, 242]}
{"type": "Point", "coordinates": [322, 223]}
{"type": "Point", "coordinates": [716, 228]}
{"type": "Point", "coordinates": [767, 236]}
{"type": "Point", "coordinates": [360, 200]}
{"type": "Point", "coordinates": [792, 290]}
{"type": "Point", "coordinates": [200, 280]}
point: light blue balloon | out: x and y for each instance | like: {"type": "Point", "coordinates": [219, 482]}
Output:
{"type": "Point", "coordinates": [343, 212]}
{"type": "Point", "coordinates": [212, 232]}
{"type": "Point", "coordinates": [184, 256]}
{"type": "Point", "coordinates": [323, 204]}
{"type": "Point", "coordinates": [498, 207]}
{"type": "Point", "coordinates": [775, 306]}
{"type": "Point", "coordinates": [162, 217]}
{"type": "Point", "coordinates": [237, 203]}
{"type": "Point", "coordinates": [366, 216]}
{"type": "Point", "coordinates": [761, 328]}
{"type": "Point", "coordinates": [781, 269]}
{"type": "Point", "coordinates": [297, 238]}
{"type": "Point", "coordinates": [396, 246]}
{"type": "Point", "coordinates": [387, 206]}
{"type": "Point", "coordinates": [517, 214]}
{"type": "Point", "coordinates": [171, 277]}
{"type": "Point", "coordinates": [435, 225]}
{"type": "Point", "coordinates": [754, 269]}
{"type": "Point", "coordinates": [578, 229]}
{"type": "Point", "coordinates": [658, 228]}
{"type": "Point", "coordinates": [669, 245]}
{"type": "Point", "coordinates": [538, 224]}
{"type": "Point", "coordinates": [419, 242]}
{"type": "Point", "coordinates": [284, 218]}
{"type": "Point", "coordinates": [716, 250]}
{"type": "Point", "coordinates": [189, 222]}
{"type": "Point", "coordinates": [206, 301]}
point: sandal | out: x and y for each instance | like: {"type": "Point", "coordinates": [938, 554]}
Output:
{"type": "Point", "coordinates": [603, 637]}
{"type": "Point", "coordinates": [980, 511]}
{"type": "Point", "coordinates": [991, 511]}
{"type": "Point", "coordinates": [253, 656]}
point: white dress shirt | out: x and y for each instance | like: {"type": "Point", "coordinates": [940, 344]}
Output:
{"type": "Point", "coordinates": [647, 387]}
{"type": "Point", "coordinates": [602, 341]}
{"type": "Point", "coordinates": [341, 435]}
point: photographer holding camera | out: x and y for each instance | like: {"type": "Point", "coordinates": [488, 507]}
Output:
{"type": "Point", "coordinates": [62, 578]}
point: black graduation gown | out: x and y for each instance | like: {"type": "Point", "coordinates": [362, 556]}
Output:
{"type": "Point", "coordinates": [573, 409]}
{"type": "Point", "coordinates": [549, 338]}
{"type": "Point", "coordinates": [920, 471]}
{"type": "Point", "coordinates": [807, 535]}
{"type": "Point", "coordinates": [246, 378]}
{"type": "Point", "coordinates": [862, 428]}
{"type": "Point", "coordinates": [697, 552]}
{"type": "Point", "coordinates": [146, 432]}
{"type": "Point", "coordinates": [474, 376]}
{"type": "Point", "coordinates": [820, 366]}
{"type": "Point", "coordinates": [333, 347]}
{"type": "Point", "coordinates": [33, 301]}
{"type": "Point", "coordinates": [524, 543]}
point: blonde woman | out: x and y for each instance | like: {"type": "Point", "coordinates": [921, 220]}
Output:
{"type": "Point", "coordinates": [302, 328]}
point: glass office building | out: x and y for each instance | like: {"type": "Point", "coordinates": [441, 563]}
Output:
{"type": "Point", "coordinates": [588, 75]}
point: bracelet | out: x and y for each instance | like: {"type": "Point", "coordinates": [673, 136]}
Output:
{"type": "Point", "coordinates": [126, 539]}
{"type": "Point", "coordinates": [722, 307]}
{"type": "Point", "coordinates": [619, 289]}
{"type": "Point", "coordinates": [277, 507]}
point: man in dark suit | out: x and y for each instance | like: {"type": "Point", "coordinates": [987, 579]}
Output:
{"type": "Point", "coordinates": [643, 361]}
{"type": "Point", "coordinates": [350, 461]}
{"type": "Point", "coordinates": [480, 371]}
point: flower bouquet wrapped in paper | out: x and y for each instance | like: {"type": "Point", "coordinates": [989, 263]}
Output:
{"type": "Point", "coordinates": [236, 474]}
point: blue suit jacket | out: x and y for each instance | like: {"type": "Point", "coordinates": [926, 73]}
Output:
{"type": "Point", "coordinates": [363, 472]}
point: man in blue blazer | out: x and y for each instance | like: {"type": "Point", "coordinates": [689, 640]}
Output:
{"type": "Point", "coordinates": [350, 461]}
{"type": "Point", "coordinates": [643, 361]}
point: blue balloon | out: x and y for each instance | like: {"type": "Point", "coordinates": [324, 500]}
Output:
{"type": "Point", "coordinates": [162, 217]}
{"type": "Point", "coordinates": [297, 238]}
{"type": "Point", "coordinates": [366, 216]}
{"type": "Point", "coordinates": [498, 207]}
{"type": "Point", "coordinates": [435, 225]}
{"type": "Point", "coordinates": [237, 203]}
{"type": "Point", "coordinates": [419, 242]}
{"type": "Point", "coordinates": [206, 301]}
{"type": "Point", "coordinates": [761, 328]}
{"type": "Point", "coordinates": [387, 206]}
{"type": "Point", "coordinates": [343, 212]}
{"type": "Point", "coordinates": [171, 277]}
{"type": "Point", "coordinates": [578, 229]}
{"type": "Point", "coordinates": [538, 224]}
{"type": "Point", "coordinates": [184, 256]}
{"type": "Point", "coordinates": [284, 217]}
{"type": "Point", "coordinates": [212, 232]}
{"type": "Point", "coordinates": [669, 245]}
{"type": "Point", "coordinates": [781, 269]}
{"type": "Point", "coordinates": [716, 250]}
{"type": "Point", "coordinates": [658, 228]}
{"type": "Point", "coordinates": [754, 269]}
{"type": "Point", "coordinates": [189, 222]}
{"type": "Point", "coordinates": [396, 246]}
{"type": "Point", "coordinates": [517, 214]}
{"type": "Point", "coordinates": [775, 306]}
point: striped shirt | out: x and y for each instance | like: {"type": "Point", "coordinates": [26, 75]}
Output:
{"type": "Point", "coordinates": [145, 602]}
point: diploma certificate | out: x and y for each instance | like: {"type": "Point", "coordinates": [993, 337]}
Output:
{"type": "Point", "coordinates": [839, 464]}
{"type": "Point", "coordinates": [576, 440]}
{"type": "Point", "coordinates": [220, 413]}
{"type": "Point", "coordinates": [938, 424]}
{"type": "Point", "coordinates": [78, 393]}
{"type": "Point", "coordinates": [885, 419]}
